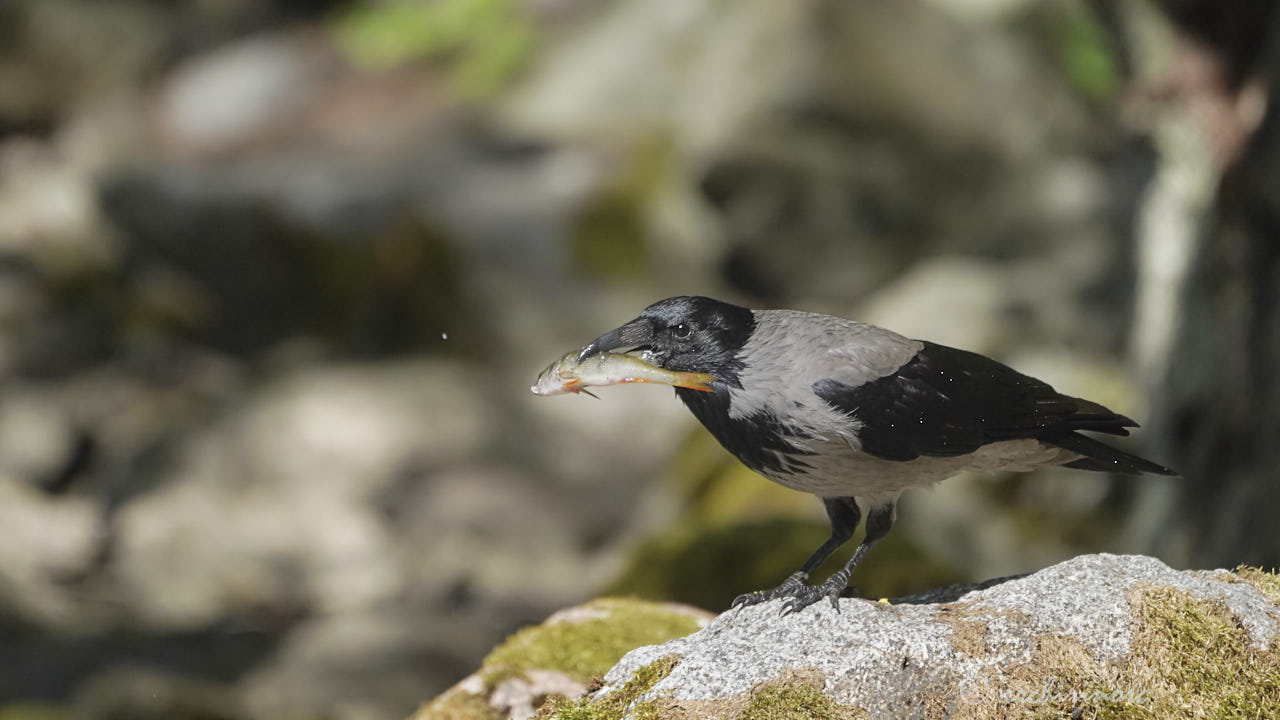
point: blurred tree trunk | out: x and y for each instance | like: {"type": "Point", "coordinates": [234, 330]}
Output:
{"type": "Point", "coordinates": [1218, 406]}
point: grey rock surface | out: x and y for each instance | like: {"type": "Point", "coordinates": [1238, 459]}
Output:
{"type": "Point", "coordinates": [884, 657]}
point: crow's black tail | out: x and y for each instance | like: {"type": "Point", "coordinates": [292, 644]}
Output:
{"type": "Point", "coordinates": [1104, 458]}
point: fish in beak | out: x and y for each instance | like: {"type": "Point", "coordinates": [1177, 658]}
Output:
{"type": "Point", "coordinates": [636, 334]}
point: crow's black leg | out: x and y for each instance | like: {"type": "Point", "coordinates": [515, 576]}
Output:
{"type": "Point", "coordinates": [844, 515]}
{"type": "Point", "coordinates": [879, 520]}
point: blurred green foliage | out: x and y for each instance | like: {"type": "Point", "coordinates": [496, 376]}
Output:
{"type": "Point", "coordinates": [709, 565]}
{"type": "Point", "coordinates": [33, 711]}
{"type": "Point", "coordinates": [483, 41]}
{"type": "Point", "coordinates": [740, 532]}
{"type": "Point", "coordinates": [1082, 47]}
{"type": "Point", "coordinates": [608, 236]}
{"type": "Point", "coordinates": [395, 292]}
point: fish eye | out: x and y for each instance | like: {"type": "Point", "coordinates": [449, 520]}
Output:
{"type": "Point", "coordinates": [681, 331]}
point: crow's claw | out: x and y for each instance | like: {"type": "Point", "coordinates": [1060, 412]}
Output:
{"type": "Point", "coordinates": [751, 598]}
{"type": "Point", "coordinates": [802, 599]}
{"type": "Point", "coordinates": [789, 587]}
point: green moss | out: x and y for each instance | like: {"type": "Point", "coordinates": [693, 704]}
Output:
{"type": "Point", "coordinates": [1199, 661]}
{"type": "Point", "coordinates": [483, 42]}
{"type": "Point", "coordinates": [795, 695]}
{"type": "Point", "coordinates": [1267, 583]}
{"type": "Point", "coordinates": [589, 647]}
{"type": "Point", "coordinates": [615, 704]}
{"type": "Point", "coordinates": [795, 698]}
{"type": "Point", "coordinates": [1189, 658]}
{"type": "Point", "coordinates": [583, 643]}
{"type": "Point", "coordinates": [458, 705]}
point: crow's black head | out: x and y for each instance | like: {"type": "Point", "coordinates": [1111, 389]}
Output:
{"type": "Point", "coordinates": [686, 333]}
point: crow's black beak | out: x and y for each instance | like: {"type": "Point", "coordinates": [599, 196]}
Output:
{"type": "Point", "coordinates": [634, 334]}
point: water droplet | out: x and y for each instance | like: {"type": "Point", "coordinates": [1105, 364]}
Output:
{"type": "Point", "coordinates": [444, 336]}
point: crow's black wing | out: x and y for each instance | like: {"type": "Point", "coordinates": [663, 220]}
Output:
{"type": "Point", "coordinates": [945, 402]}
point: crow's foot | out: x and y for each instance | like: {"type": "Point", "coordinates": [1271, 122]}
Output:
{"type": "Point", "coordinates": [789, 587]}
{"type": "Point", "coordinates": [808, 595]}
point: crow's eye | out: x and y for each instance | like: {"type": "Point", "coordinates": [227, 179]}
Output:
{"type": "Point", "coordinates": [681, 331]}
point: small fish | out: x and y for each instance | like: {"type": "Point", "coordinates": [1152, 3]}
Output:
{"type": "Point", "coordinates": [567, 375]}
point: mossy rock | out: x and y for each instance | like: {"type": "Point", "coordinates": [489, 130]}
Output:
{"type": "Point", "coordinates": [560, 657]}
{"type": "Point", "coordinates": [1189, 655]}
{"type": "Point", "coordinates": [1095, 638]}
{"type": "Point", "coordinates": [1190, 658]}
{"type": "Point", "coordinates": [618, 703]}
{"type": "Point", "coordinates": [790, 696]}
{"type": "Point", "coordinates": [586, 641]}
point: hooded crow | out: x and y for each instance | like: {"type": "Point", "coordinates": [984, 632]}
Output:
{"type": "Point", "coordinates": [856, 414]}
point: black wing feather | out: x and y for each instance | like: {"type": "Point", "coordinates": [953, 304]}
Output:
{"type": "Point", "coordinates": [1104, 458]}
{"type": "Point", "coordinates": [946, 402]}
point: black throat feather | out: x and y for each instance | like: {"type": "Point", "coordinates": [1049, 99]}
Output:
{"type": "Point", "coordinates": [760, 440]}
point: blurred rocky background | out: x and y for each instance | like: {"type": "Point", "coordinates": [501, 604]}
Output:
{"type": "Point", "coordinates": [275, 277]}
